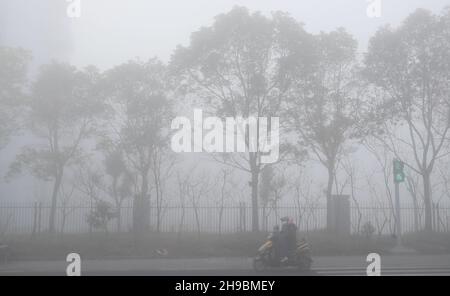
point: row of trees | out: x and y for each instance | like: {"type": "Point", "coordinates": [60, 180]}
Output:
{"type": "Point", "coordinates": [329, 99]}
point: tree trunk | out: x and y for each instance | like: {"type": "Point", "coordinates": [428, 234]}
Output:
{"type": "Point", "coordinates": [119, 218]}
{"type": "Point", "coordinates": [255, 216]}
{"type": "Point", "coordinates": [158, 204]}
{"type": "Point", "coordinates": [328, 193]}
{"type": "Point", "coordinates": [141, 207]}
{"type": "Point", "coordinates": [180, 225]}
{"type": "Point", "coordinates": [220, 220]}
{"type": "Point", "coordinates": [197, 219]}
{"type": "Point", "coordinates": [411, 187]}
{"type": "Point", "coordinates": [264, 217]}
{"type": "Point", "coordinates": [427, 201]}
{"type": "Point", "coordinates": [118, 202]}
{"type": "Point", "coordinates": [416, 214]}
{"type": "Point", "coordinates": [63, 222]}
{"type": "Point", "coordinates": [56, 186]}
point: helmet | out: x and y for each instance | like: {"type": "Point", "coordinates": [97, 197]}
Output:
{"type": "Point", "coordinates": [284, 219]}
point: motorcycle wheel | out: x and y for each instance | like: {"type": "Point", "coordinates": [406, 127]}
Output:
{"type": "Point", "coordinates": [258, 264]}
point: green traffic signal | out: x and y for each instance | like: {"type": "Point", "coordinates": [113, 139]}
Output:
{"type": "Point", "coordinates": [399, 174]}
{"type": "Point", "coordinates": [399, 178]}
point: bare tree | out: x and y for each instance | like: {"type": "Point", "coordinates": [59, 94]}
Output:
{"type": "Point", "coordinates": [379, 205]}
{"type": "Point", "coordinates": [138, 95]}
{"type": "Point", "coordinates": [305, 200]}
{"type": "Point", "coordinates": [264, 193]}
{"type": "Point", "coordinates": [119, 185]}
{"type": "Point", "coordinates": [351, 173]}
{"type": "Point", "coordinates": [413, 110]}
{"type": "Point", "coordinates": [274, 186]}
{"type": "Point", "coordinates": [324, 104]}
{"type": "Point", "coordinates": [89, 182]}
{"type": "Point", "coordinates": [237, 67]}
{"type": "Point", "coordinates": [67, 191]}
{"type": "Point", "coordinates": [382, 157]}
{"type": "Point", "coordinates": [197, 188]}
{"type": "Point", "coordinates": [278, 189]}
{"type": "Point", "coordinates": [412, 184]}
{"type": "Point", "coordinates": [182, 194]}
{"type": "Point", "coordinates": [63, 112]}
{"type": "Point", "coordinates": [162, 169]}
{"type": "Point", "coordinates": [224, 194]}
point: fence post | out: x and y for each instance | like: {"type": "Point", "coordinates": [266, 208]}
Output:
{"type": "Point", "coordinates": [90, 214]}
{"type": "Point", "coordinates": [39, 217]}
{"type": "Point", "coordinates": [63, 217]}
{"type": "Point", "coordinates": [438, 218]}
{"type": "Point", "coordinates": [446, 222]}
{"type": "Point", "coordinates": [240, 217]}
{"type": "Point", "coordinates": [266, 222]}
{"type": "Point", "coordinates": [234, 218]}
{"type": "Point", "coordinates": [244, 216]}
{"type": "Point", "coordinates": [242, 226]}
{"type": "Point", "coordinates": [433, 210]}
{"type": "Point", "coordinates": [33, 231]}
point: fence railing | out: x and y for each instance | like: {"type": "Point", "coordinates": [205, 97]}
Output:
{"type": "Point", "coordinates": [33, 218]}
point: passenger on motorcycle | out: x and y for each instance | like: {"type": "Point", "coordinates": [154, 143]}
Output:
{"type": "Point", "coordinates": [276, 238]}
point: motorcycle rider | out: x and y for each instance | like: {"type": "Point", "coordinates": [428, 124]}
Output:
{"type": "Point", "coordinates": [283, 241]}
{"type": "Point", "coordinates": [288, 239]}
{"type": "Point", "coordinates": [276, 238]}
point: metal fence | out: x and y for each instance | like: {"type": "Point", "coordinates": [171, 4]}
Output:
{"type": "Point", "coordinates": [23, 218]}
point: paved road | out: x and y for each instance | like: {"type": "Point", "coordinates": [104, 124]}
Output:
{"type": "Point", "coordinates": [333, 266]}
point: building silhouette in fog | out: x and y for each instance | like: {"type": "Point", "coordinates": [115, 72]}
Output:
{"type": "Point", "coordinates": [41, 26]}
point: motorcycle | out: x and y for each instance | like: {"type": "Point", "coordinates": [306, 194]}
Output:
{"type": "Point", "coordinates": [301, 257]}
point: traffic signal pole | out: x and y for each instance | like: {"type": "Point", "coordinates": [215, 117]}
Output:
{"type": "Point", "coordinates": [399, 177]}
{"type": "Point", "coordinates": [398, 224]}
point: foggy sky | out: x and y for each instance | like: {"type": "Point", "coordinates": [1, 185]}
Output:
{"type": "Point", "coordinates": [110, 32]}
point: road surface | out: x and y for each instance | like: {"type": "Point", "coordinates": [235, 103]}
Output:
{"type": "Point", "coordinates": [401, 265]}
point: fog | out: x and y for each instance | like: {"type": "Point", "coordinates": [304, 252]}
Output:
{"type": "Point", "coordinates": [89, 106]}
{"type": "Point", "coordinates": [111, 32]}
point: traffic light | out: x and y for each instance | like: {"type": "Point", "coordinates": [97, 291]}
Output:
{"type": "Point", "coordinates": [399, 174]}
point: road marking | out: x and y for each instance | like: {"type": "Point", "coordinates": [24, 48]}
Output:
{"type": "Point", "coordinates": [400, 271]}
{"type": "Point", "coordinates": [9, 271]}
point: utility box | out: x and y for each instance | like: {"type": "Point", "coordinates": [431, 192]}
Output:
{"type": "Point", "coordinates": [340, 214]}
